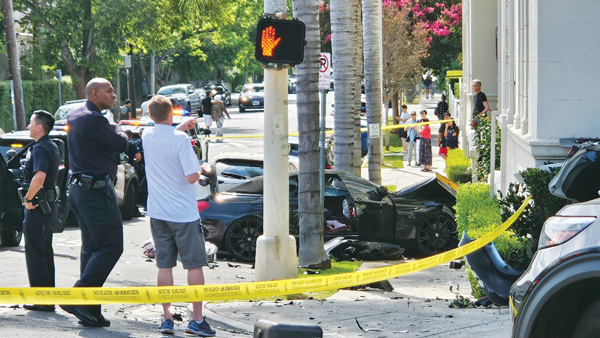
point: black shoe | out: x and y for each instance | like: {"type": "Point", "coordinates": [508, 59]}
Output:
{"type": "Point", "coordinates": [101, 323]}
{"type": "Point", "coordinates": [82, 314]}
{"type": "Point", "coordinates": [34, 307]}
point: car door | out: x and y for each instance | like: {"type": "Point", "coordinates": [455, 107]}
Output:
{"type": "Point", "coordinates": [194, 98]}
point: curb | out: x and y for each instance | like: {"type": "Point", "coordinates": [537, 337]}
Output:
{"type": "Point", "coordinates": [221, 321]}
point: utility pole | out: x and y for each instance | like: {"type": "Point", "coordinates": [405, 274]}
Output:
{"type": "Point", "coordinates": [132, 78]}
{"type": "Point", "coordinates": [15, 68]}
{"type": "Point", "coordinates": [153, 73]}
{"type": "Point", "coordinates": [276, 249]}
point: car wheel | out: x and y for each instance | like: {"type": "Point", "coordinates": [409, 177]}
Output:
{"type": "Point", "coordinates": [588, 325]}
{"type": "Point", "coordinates": [127, 209]}
{"type": "Point", "coordinates": [11, 237]}
{"type": "Point", "coordinates": [436, 234]}
{"type": "Point", "coordinates": [240, 238]}
{"type": "Point", "coordinates": [242, 109]}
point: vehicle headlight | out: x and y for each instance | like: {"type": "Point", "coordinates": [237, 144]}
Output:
{"type": "Point", "coordinates": [244, 98]}
{"type": "Point", "coordinates": [559, 229]}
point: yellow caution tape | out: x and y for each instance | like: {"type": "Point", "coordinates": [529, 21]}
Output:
{"type": "Point", "coordinates": [240, 291]}
{"type": "Point", "coordinates": [448, 181]}
{"type": "Point", "coordinates": [329, 132]}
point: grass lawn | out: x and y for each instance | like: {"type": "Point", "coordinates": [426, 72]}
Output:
{"type": "Point", "coordinates": [393, 161]}
{"type": "Point", "coordinates": [391, 187]}
{"type": "Point", "coordinates": [395, 144]}
{"type": "Point", "coordinates": [336, 268]}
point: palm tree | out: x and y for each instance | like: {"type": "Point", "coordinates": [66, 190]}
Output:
{"type": "Point", "coordinates": [372, 21]}
{"type": "Point", "coordinates": [312, 253]}
{"type": "Point", "coordinates": [358, 29]}
{"type": "Point", "coordinates": [343, 49]}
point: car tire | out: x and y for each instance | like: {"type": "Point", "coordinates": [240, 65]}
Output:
{"type": "Point", "coordinates": [11, 237]}
{"type": "Point", "coordinates": [127, 210]}
{"type": "Point", "coordinates": [436, 234]}
{"type": "Point", "coordinates": [588, 325]}
{"type": "Point", "coordinates": [241, 236]}
{"type": "Point", "coordinates": [242, 109]}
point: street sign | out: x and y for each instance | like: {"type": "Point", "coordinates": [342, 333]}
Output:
{"type": "Point", "coordinates": [324, 71]}
{"type": "Point", "coordinates": [280, 41]}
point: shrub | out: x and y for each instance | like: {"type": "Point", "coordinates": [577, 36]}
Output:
{"type": "Point", "coordinates": [36, 95]}
{"type": "Point", "coordinates": [457, 90]}
{"type": "Point", "coordinates": [543, 205]}
{"type": "Point", "coordinates": [483, 137]}
{"type": "Point", "coordinates": [458, 166]}
{"type": "Point", "coordinates": [477, 214]}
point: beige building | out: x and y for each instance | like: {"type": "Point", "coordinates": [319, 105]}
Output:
{"type": "Point", "coordinates": [538, 61]}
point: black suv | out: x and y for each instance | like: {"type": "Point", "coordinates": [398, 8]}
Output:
{"type": "Point", "coordinates": [13, 148]}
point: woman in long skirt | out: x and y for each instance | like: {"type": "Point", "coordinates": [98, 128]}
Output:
{"type": "Point", "coordinates": [425, 148]}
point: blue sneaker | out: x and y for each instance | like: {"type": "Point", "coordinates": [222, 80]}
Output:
{"type": "Point", "coordinates": [166, 327]}
{"type": "Point", "coordinates": [202, 329]}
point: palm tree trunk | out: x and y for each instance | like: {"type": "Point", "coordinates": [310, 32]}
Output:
{"type": "Point", "coordinates": [343, 50]}
{"type": "Point", "coordinates": [358, 87]}
{"type": "Point", "coordinates": [372, 21]}
{"type": "Point", "coordinates": [312, 253]}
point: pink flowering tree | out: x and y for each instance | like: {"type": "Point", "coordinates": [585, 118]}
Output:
{"type": "Point", "coordinates": [442, 23]}
{"type": "Point", "coordinates": [325, 24]}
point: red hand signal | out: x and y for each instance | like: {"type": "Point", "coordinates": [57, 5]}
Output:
{"type": "Point", "coordinates": [268, 42]}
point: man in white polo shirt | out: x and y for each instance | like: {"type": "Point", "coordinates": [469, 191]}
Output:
{"type": "Point", "coordinates": [172, 169]}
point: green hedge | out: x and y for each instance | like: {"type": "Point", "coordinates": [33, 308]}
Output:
{"type": "Point", "coordinates": [458, 166]}
{"type": "Point", "coordinates": [477, 214]}
{"type": "Point", "coordinates": [483, 137]}
{"type": "Point", "coordinates": [36, 95]}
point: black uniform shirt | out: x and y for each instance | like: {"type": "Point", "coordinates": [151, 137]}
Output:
{"type": "Point", "coordinates": [93, 143]}
{"type": "Point", "coordinates": [43, 156]}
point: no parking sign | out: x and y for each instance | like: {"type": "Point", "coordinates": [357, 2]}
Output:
{"type": "Point", "coordinates": [324, 71]}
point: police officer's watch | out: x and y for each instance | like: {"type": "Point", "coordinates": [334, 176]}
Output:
{"type": "Point", "coordinates": [25, 200]}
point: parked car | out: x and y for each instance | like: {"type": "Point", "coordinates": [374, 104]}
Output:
{"type": "Point", "coordinates": [292, 84]}
{"type": "Point", "coordinates": [418, 217]}
{"type": "Point", "coordinates": [294, 152]}
{"type": "Point", "coordinates": [14, 147]}
{"type": "Point", "coordinates": [62, 113]}
{"type": "Point", "coordinates": [252, 97]}
{"type": "Point", "coordinates": [233, 169]}
{"type": "Point", "coordinates": [558, 295]}
{"type": "Point", "coordinates": [219, 89]}
{"type": "Point", "coordinates": [184, 95]}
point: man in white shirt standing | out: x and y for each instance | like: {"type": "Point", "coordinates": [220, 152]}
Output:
{"type": "Point", "coordinates": [172, 169]}
{"type": "Point", "coordinates": [144, 105]}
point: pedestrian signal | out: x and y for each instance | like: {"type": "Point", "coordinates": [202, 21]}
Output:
{"type": "Point", "coordinates": [280, 41]}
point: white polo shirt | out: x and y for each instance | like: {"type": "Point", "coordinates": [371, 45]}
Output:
{"type": "Point", "coordinates": [169, 158]}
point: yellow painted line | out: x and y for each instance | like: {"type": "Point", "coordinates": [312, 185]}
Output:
{"type": "Point", "coordinates": [241, 291]}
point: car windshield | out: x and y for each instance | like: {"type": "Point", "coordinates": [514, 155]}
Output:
{"type": "Point", "coordinates": [239, 170]}
{"type": "Point", "coordinates": [255, 89]}
{"type": "Point", "coordinates": [172, 90]}
{"type": "Point", "coordinates": [62, 113]}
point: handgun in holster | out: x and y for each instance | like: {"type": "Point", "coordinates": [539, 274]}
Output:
{"type": "Point", "coordinates": [40, 199]}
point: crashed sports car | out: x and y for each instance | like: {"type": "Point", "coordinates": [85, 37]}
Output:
{"type": "Point", "coordinates": [419, 217]}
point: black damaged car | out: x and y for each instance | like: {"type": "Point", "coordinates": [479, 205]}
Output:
{"type": "Point", "coordinates": [419, 217]}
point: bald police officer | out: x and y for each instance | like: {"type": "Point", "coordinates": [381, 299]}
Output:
{"type": "Point", "coordinates": [93, 144]}
{"type": "Point", "coordinates": [41, 213]}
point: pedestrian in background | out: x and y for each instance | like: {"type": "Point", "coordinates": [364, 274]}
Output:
{"type": "Point", "coordinates": [41, 169]}
{"type": "Point", "coordinates": [207, 104]}
{"type": "Point", "coordinates": [480, 102]}
{"type": "Point", "coordinates": [411, 137]}
{"type": "Point", "coordinates": [441, 137]}
{"type": "Point", "coordinates": [144, 106]}
{"type": "Point", "coordinates": [93, 144]}
{"type": "Point", "coordinates": [425, 144]}
{"type": "Point", "coordinates": [427, 83]}
{"type": "Point", "coordinates": [404, 116]}
{"type": "Point", "coordinates": [172, 170]}
{"type": "Point", "coordinates": [441, 108]}
{"type": "Point", "coordinates": [126, 112]}
{"type": "Point", "coordinates": [219, 111]}
{"type": "Point", "coordinates": [452, 133]}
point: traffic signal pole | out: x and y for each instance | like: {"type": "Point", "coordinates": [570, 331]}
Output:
{"type": "Point", "coordinates": [276, 249]}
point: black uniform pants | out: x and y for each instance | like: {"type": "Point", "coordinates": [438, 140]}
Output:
{"type": "Point", "coordinates": [39, 256]}
{"type": "Point", "coordinates": [101, 227]}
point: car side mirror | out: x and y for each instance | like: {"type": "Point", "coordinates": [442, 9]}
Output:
{"type": "Point", "coordinates": [190, 92]}
{"type": "Point", "coordinates": [123, 157]}
{"type": "Point", "coordinates": [382, 191]}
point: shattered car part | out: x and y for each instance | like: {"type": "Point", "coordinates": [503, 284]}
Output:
{"type": "Point", "coordinates": [366, 251]}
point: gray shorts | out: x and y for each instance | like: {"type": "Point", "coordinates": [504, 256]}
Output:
{"type": "Point", "coordinates": [185, 239]}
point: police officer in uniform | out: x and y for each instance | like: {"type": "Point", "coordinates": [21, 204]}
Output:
{"type": "Point", "coordinates": [39, 199]}
{"type": "Point", "coordinates": [93, 143]}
